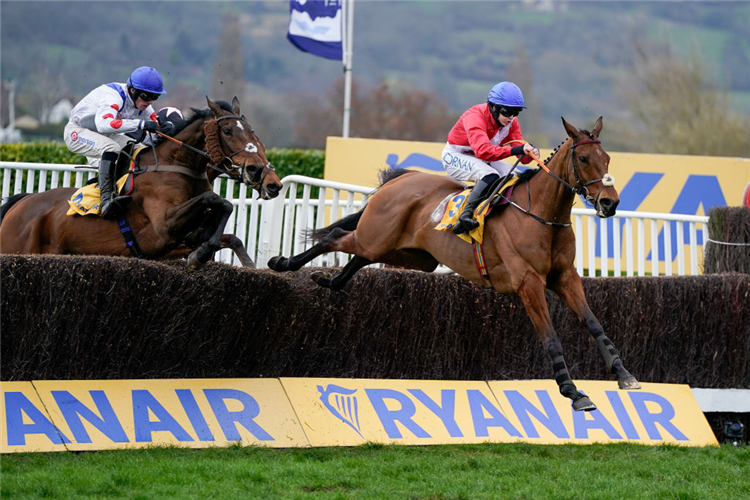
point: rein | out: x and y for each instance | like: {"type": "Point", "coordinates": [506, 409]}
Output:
{"type": "Point", "coordinates": [186, 146]}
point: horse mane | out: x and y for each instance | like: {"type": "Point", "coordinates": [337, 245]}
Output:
{"type": "Point", "coordinates": [531, 172]}
{"type": "Point", "coordinates": [528, 174]}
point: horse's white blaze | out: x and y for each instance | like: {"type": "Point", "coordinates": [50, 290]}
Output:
{"type": "Point", "coordinates": [239, 124]}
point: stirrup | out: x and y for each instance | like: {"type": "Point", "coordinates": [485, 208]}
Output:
{"type": "Point", "coordinates": [108, 210]}
{"type": "Point", "coordinates": [121, 201]}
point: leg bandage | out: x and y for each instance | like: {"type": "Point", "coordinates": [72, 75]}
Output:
{"type": "Point", "coordinates": [608, 350]}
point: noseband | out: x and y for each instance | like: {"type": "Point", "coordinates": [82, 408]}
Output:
{"type": "Point", "coordinates": [227, 165]}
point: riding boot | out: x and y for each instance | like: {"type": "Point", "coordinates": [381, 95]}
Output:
{"type": "Point", "coordinates": [466, 221]}
{"type": "Point", "coordinates": [107, 186]}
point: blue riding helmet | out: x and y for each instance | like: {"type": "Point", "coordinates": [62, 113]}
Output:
{"type": "Point", "coordinates": [147, 79]}
{"type": "Point", "coordinates": [506, 94]}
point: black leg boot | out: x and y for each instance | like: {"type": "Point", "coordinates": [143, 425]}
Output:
{"type": "Point", "coordinates": [466, 221]}
{"type": "Point", "coordinates": [107, 179]}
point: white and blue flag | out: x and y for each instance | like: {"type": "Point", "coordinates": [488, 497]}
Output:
{"type": "Point", "coordinates": [315, 26]}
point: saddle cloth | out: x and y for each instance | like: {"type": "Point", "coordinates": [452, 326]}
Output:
{"type": "Point", "coordinates": [88, 199]}
{"type": "Point", "coordinates": [455, 206]}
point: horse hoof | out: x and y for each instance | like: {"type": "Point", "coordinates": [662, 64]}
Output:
{"type": "Point", "coordinates": [193, 262]}
{"type": "Point", "coordinates": [322, 278]}
{"type": "Point", "coordinates": [278, 263]}
{"type": "Point", "coordinates": [583, 404]}
{"type": "Point", "coordinates": [629, 383]}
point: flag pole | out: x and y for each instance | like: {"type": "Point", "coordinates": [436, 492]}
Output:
{"type": "Point", "coordinates": [347, 36]}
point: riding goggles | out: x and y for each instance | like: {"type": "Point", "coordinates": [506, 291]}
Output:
{"type": "Point", "coordinates": [509, 112]}
{"type": "Point", "coordinates": [146, 96]}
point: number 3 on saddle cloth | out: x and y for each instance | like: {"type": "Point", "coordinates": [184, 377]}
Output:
{"type": "Point", "coordinates": [88, 200]}
{"type": "Point", "coordinates": [453, 205]}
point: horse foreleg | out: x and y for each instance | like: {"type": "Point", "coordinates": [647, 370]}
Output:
{"type": "Point", "coordinates": [233, 242]}
{"type": "Point", "coordinates": [531, 292]}
{"type": "Point", "coordinates": [227, 241]}
{"type": "Point", "coordinates": [570, 289]}
{"type": "Point", "coordinates": [294, 263]}
{"type": "Point", "coordinates": [187, 217]}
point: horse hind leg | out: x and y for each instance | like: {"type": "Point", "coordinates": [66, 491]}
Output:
{"type": "Point", "coordinates": [338, 281]}
{"type": "Point", "coordinates": [296, 262]}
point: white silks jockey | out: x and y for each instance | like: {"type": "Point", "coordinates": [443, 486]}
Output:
{"type": "Point", "coordinates": [474, 152]}
{"type": "Point", "coordinates": [99, 125]}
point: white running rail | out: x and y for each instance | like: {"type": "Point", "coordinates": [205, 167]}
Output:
{"type": "Point", "coordinates": [279, 226]}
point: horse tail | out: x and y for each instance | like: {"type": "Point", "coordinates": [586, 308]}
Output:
{"type": "Point", "coordinates": [8, 204]}
{"type": "Point", "coordinates": [348, 223]}
{"type": "Point", "coordinates": [392, 173]}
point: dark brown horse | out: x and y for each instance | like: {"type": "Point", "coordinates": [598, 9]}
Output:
{"type": "Point", "coordinates": [527, 247]}
{"type": "Point", "coordinates": [173, 211]}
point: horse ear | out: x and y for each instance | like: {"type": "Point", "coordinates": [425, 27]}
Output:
{"type": "Point", "coordinates": [597, 127]}
{"type": "Point", "coordinates": [570, 129]}
{"type": "Point", "coordinates": [214, 108]}
{"type": "Point", "coordinates": [236, 105]}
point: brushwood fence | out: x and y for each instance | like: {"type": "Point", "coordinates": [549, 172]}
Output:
{"type": "Point", "coordinates": [628, 244]}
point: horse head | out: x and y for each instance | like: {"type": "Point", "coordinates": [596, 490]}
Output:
{"type": "Point", "coordinates": [235, 149]}
{"type": "Point", "coordinates": [588, 171]}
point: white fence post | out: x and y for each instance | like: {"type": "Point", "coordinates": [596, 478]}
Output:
{"type": "Point", "coordinates": [277, 227]}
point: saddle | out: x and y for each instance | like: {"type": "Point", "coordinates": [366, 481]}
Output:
{"type": "Point", "coordinates": [449, 210]}
{"type": "Point", "coordinates": [87, 200]}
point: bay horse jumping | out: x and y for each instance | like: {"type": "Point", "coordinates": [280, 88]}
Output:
{"type": "Point", "coordinates": [527, 247]}
{"type": "Point", "coordinates": [173, 211]}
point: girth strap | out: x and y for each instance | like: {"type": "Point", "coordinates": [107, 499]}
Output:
{"type": "Point", "coordinates": [479, 260]}
{"type": "Point", "coordinates": [127, 233]}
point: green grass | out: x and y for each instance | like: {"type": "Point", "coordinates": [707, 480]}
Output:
{"type": "Point", "coordinates": [376, 471]}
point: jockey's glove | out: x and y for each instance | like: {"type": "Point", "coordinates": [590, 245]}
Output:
{"type": "Point", "coordinates": [167, 127]}
{"type": "Point", "coordinates": [148, 125]}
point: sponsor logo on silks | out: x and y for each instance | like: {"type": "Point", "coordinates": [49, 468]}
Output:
{"type": "Point", "coordinates": [346, 406]}
{"type": "Point", "coordinates": [457, 162]}
{"type": "Point", "coordinates": [77, 138]}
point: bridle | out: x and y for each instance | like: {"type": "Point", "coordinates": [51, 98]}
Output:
{"type": "Point", "coordinates": [227, 165]}
{"type": "Point", "coordinates": [581, 187]}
